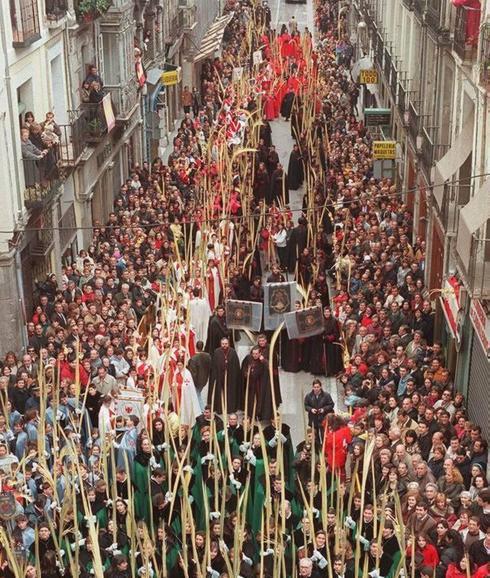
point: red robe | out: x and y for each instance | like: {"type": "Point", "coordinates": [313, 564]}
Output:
{"type": "Point", "coordinates": [335, 447]}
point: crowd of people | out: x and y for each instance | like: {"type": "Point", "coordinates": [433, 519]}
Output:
{"type": "Point", "coordinates": [113, 464]}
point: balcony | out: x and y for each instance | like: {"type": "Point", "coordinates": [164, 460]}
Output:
{"type": "Point", "coordinates": [485, 55]}
{"type": "Point", "coordinates": [387, 66]}
{"type": "Point", "coordinates": [413, 122]}
{"type": "Point", "coordinates": [124, 99]}
{"type": "Point", "coordinates": [89, 10]}
{"type": "Point", "coordinates": [478, 269]}
{"type": "Point", "coordinates": [72, 139]}
{"type": "Point", "coordinates": [419, 7]}
{"type": "Point", "coordinates": [91, 124]}
{"type": "Point", "coordinates": [401, 100]}
{"type": "Point", "coordinates": [42, 181]}
{"type": "Point", "coordinates": [394, 81]}
{"type": "Point", "coordinates": [466, 28]}
{"type": "Point", "coordinates": [378, 55]}
{"type": "Point", "coordinates": [427, 150]}
{"type": "Point", "coordinates": [24, 17]}
{"type": "Point", "coordinates": [55, 12]}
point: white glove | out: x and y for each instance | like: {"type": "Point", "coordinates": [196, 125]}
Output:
{"type": "Point", "coordinates": [365, 543]}
{"type": "Point", "coordinates": [53, 505]}
{"type": "Point", "coordinates": [235, 483]}
{"type": "Point", "coordinates": [108, 503]}
{"type": "Point", "coordinates": [321, 561]}
{"type": "Point", "coordinates": [162, 447]}
{"type": "Point", "coordinates": [89, 443]}
{"type": "Point", "coordinates": [250, 457]}
{"type": "Point", "coordinates": [78, 411]}
{"type": "Point", "coordinates": [34, 467]}
{"type": "Point", "coordinates": [90, 519]}
{"type": "Point", "coordinates": [207, 458]}
{"type": "Point", "coordinates": [349, 522]}
{"type": "Point", "coordinates": [314, 558]}
{"type": "Point", "coordinates": [82, 541]}
{"type": "Point", "coordinates": [247, 560]}
{"type": "Point", "coordinates": [268, 552]}
{"type": "Point", "coordinates": [116, 445]}
{"type": "Point", "coordinates": [374, 574]}
{"type": "Point", "coordinates": [116, 552]}
{"type": "Point", "coordinates": [214, 515]}
{"type": "Point", "coordinates": [169, 497]}
{"type": "Point", "coordinates": [61, 553]}
{"type": "Point", "coordinates": [273, 442]}
{"type": "Point", "coordinates": [188, 469]}
{"type": "Point", "coordinates": [212, 573]}
{"type": "Point", "coordinates": [244, 447]}
{"type": "Point", "coordinates": [153, 463]}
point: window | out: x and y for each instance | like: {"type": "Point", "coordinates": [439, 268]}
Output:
{"type": "Point", "coordinates": [24, 17]}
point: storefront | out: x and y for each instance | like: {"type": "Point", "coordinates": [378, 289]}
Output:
{"type": "Point", "coordinates": [479, 378]}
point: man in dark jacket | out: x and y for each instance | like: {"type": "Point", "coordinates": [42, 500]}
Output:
{"type": "Point", "coordinates": [318, 403]}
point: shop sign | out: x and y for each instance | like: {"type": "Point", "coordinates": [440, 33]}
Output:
{"type": "Point", "coordinates": [384, 149]}
{"type": "Point", "coordinates": [368, 76]}
{"type": "Point", "coordinates": [481, 324]}
{"type": "Point", "coordinates": [377, 116]}
{"type": "Point", "coordinates": [171, 77]}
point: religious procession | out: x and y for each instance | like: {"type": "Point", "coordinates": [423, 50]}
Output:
{"type": "Point", "coordinates": [137, 442]}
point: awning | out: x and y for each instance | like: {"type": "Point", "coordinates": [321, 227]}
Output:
{"type": "Point", "coordinates": [213, 38]}
{"type": "Point", "coordinates": [453, 159]}
{"type": "Point", "coordinates": [471, 217]}
{"type": "Point", "coordinates": [363, 63]}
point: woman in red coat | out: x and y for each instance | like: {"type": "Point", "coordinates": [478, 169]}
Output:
{"type": "Point", "coordinates": [425, 552]}
{"type": "Point", "coordinates": [337, 438]}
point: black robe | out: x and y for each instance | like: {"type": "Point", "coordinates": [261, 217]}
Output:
{"type": "Point", "coordinates": [279, 190]}
{"type": "Point", "coordinates": [261, 185]}
{"type": "Point", "coordinates": [264, 351]}
{"type": "Point", "coordinates": [287, 105]}
{"type": "Point", "coordinates": [295, 170]}
{"type": "Point", "coordinates": [297, 243]}
{"type": "Point", "coordinates": [325, 355]}
{"type": "Point", "coordinates": [225, 383]}
{"type": "Point", "coordinates": [216, 331]}
{"type": "Point", "coordinates": [258, 393]}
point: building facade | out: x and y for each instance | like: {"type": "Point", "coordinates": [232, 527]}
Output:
{"type": "Point", "coordinates": [48, 49]}
{"type": "Point", "coordinates": [432, 59]}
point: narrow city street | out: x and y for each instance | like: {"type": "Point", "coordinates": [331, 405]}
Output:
{"type": "Point", "coordinates": [143, 213]}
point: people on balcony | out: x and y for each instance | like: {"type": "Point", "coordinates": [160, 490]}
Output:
{"type": "Point", "coordinates": [93, 76]}
{"type": "Point", "coordinates": [32, 156]}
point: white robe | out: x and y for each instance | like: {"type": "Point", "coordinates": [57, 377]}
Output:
{"type": "Point", "coordinates": [190, 407]}
{"type": "Point", "coordinates": [200, 313]}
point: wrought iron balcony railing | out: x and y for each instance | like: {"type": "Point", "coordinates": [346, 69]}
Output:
{"type": "Point", "coordinates": [55, 10]}
{"type": "Point", "coordinates": [413, 122]}
{"type": "Point", "coordinates": [42, 181]}
{"type": "Point", "coordinates": [478, 269]}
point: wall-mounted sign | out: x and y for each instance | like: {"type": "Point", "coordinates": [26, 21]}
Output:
{"type": "Point", "coordinates": [384, 149]}
{"type": "Point", "coordinates": [377, 116]}
{"type": "Point", "coordinates": [368, 76]}
{"type": "Point", "coordinates": [481, 324]}
{"type": "Point", "coordinates": [171, 77]}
